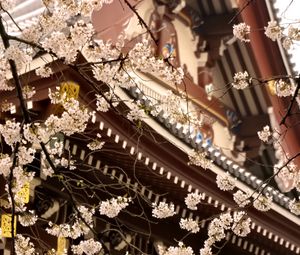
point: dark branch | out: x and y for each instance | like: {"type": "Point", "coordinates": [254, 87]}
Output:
{"type": "Point", "coordinates": [288, 112]}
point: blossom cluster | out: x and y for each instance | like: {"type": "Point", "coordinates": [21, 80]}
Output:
{"type": "Point", "coordinates": [96, 144]}
{"type": "Point", "coordinates": [241, 80]}
{"type": "Point", "coordinates": [294, 207]}
{"type": "Point", "coordinates": [181, 249]}
{"type": "Point", "coordinates": [189, 225]}
{"type": "Point", "coordinates": [75, 230]}
{"type": "Point", "coordinates": [44, 71]}
{"type": "Point", "coordinates": [193, 199]}
{"type": "Point", "coordinates": [88, 247]}
{"type": "Point", "coordinates": [265, 134]}
{"type": "Point", "coordinates": [163, 210]}
{"type": "Point", "coordinates": [111, 208]}
{"type": "Point", "coordinates": [225, 182]}
{"type": "Point", "coordinates": [23, 246]}
{"type": "Point", "coordinates": [241, 31]}
{"type": "Point", "coordinates": [241, 198]}
{"type": "Point", "coordinates": [286, 35]}
{"type": "Point", "coordinates": [263, 203]}
{"type": "Point", "coordinates": [28, 219]}
{"type": "Point", "coordinates": [136, 113]}
{"type": "Point", "coordinates": [73, 120]}
{"type": "Point", "coordinates": [199, 159]}
{"type": "Point", "coordinates": [284, 88]}
{"type": "Point", "coordinates": [238, 223]}
{"type": "Point", "coordinates": [103, 102]}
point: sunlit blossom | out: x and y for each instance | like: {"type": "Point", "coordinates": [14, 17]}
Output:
{"type": "Point", "coordinates": [241, 32]}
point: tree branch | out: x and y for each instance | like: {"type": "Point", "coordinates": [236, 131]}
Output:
{"type": "Point", "coordinates": [288, 112]}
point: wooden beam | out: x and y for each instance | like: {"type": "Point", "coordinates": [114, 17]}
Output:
{"type": "Point", "coordinates": [216, 25]}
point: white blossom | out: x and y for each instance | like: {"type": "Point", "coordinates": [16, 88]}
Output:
{"type": "Point", "coordinates": [86, 213]}
{"type": "Point", "coordinates": [206, 251]}
{"type": "Point", "coordinates": [7, 4]}
{"type": "Point", "coordinates": [23, 246]}
{"type": "Point", "coordinates": [273, 30]}
{"type": "Point", "coordinates": [32, 33]}
{"type": "Point", "coordinates": [225, 182]}
{"type": "Point", "coordinates": [25, 155]}
{"type": "Point", "coordinates": [75, 230]}
{"type": "Point", "coordinates": [294, 33]}
{"type": "Point", "coordinates": [111, 208]}
{"type": "Point", "coordinates": [241, 224]}
{"type": "Point", "coordinates": [287, 43]}
{"type": "Point", "coordinates": [15, 53]}
{"type": "Point", "coordinates": [294, 207]}
{"type": "Point", "coordinates": [163, 210]}
{"type": "Point", "coordinates": [28, 92]}
{"type": "Point", "coordinates": [265, 134]}
{"type": "Point", "coordinates": [241, 32]}
{"type": "Point", "coordinates": [199, 159]}
{"type": "Point", "coordinates": [283, 88]}
{"type": "Point", "coordinates": [241, 198]}
{"type": "Point", "coordinates": [96, 144]}
{"type": "Point", "coordinates": [88, 247]}
{"type": "Point", "coordinates": [62, 46]}
{"type": "Point", "coordinates": [103, 102]}
{"type": "Point", "coordinates": [179, 250]}
{"type": "Point", "coordinates": [226, 220]}
{"type": "Point", "coordinates": [263, 203]}
{"type": "Point", "coordinates": [189, 225]}
{"type": "Point", "coordinates": [11, 132]}
{"type": "Point", "coordinates": [81, 33]}
{"type": "Point", "coordinates": [136, 113]}
{"type": "Point", "coordinates": [193, 199]}
{"type": "Point", "coordinates": [4, 66]}
{"type": "Point", "coordinates": [28, 219]}
{"type": "Point", "coordinates": [216, 230]}
{"type": "Point", "coordinates": [73, 120]}
{"type": "Point", "coordinates": [5, 164]}
{"type": "Point", "coordinates": [44, 71]}
{"type": "Point", "coordinates": [241, 80]}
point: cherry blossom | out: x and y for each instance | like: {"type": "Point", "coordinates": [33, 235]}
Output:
{"type": "Point", "coordinates": [241, 198]}
{"type": "Point", "coordinates": [225, 182]}
{"type": "Point", "coordinates": [265, 134]}
{"type": "Point", "coordinates": [136, 113]}
{"type": "Point", "coordinates": [11, 132]}
{"type": "Point", "coordinates": [193, 199]}
{"type": "Point", "coordinates": [199, 159]}
{"type": "Point", "coordinates": [74, 230]}
{"type": "Point", "coordinates": [163, 210]}
{"type": "Point", "coordinates": [241, 224]}
{"type": "Point", "coordinates": [111, 208]}
{"type": "Point", "coordinates": [283, 88]}
{"type": "Point", "coordinates": [44, 71]}
{"type": "Point", "coordinates": [241, 32]}
{"type": "Point", "coordinates": [8, 4]}
{"type": "Point", "coordinates": [241, 80]}
{"type": "Point", "coordinates": [23, 246]}
{"type": "Point", "coordinates": [189, 225]}
{"type": "Point", "coordinates": [28, 219]}
{"type": "Point", "coordinates": [294, 33]}
{"type": "Point", "coordinates": [216, 230]}
{"type": "Point", "coordinates": [5, 164]}
{"type": "Point", "coordinates": [88, 247]}
{"type": "Point", "coordinates": [179, 250]}
{"type": "Point", "coordinates": [263, 203]}
{"type": "Point", "coordinates": [273, 30]}
{"type": "Point", "coordinates": [294, 207]}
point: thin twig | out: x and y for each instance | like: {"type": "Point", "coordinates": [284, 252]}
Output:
{"type": "Point", "coordinates": [288, 112]}
{"type": "Point", "coordinates": [142, 21]}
